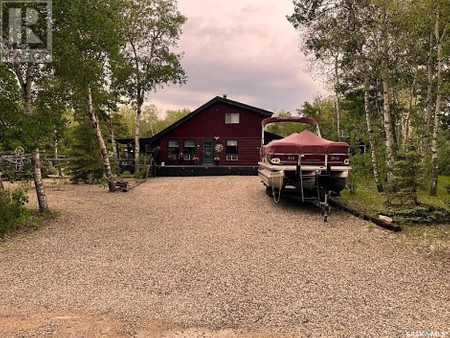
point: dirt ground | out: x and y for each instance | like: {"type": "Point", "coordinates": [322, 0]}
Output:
{"type": "Point", "coordinates": [212, 257]}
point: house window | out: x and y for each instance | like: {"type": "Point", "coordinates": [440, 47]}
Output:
{"type": "Point", "coordinates": [173, 153]}
{"type": "Point", "coordinates": [188, 150]}
{"type": "Point", "coordinates": [232, 118]}
{"type": "Point", "coordinates": [232, 150]}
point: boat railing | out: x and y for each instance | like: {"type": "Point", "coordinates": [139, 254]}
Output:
{"type": "Point", "coordinates": [304, 120]}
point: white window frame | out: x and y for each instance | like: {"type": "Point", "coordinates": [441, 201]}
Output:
{"type": "Point", "coordinates": [168, 148]}
{"type": "Point", "coordinates": [232, 118]}
{"type": "Point", "coordinates": [187, 157]}
{"type": "Point", "coordinates": [233, 157]}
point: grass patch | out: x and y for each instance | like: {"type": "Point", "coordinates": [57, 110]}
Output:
{"type": "Point", "coordinates": [432, 210]}
{"type": "Point", "coordinates": [431, 241]}
{"type": "Point", "coordinates": [443, 196]}
{"type": "Point", "coordinates": [421, 232]}
{"type": "Point", "coordinates": [34, 221]}
{"type": "Point", "coordinates": [14, 216]}
{"type": "Point", "coordinates": [13, 213]}
{"type": "Point", "coordinates": [363, 199]}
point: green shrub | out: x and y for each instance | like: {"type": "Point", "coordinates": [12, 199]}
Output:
{"type": "Point", "coordinates": [422, 214]}
{"type": "Point", "coordinates": [13, 214]}
{"type": "Point", "coordinates": [126, 173]}
{"type": "Point", "coordinates": [361, 173]}
{"type": "Point", "coordinates": [143, 161]}
{"type": "Point", "coordinates": [444, 152]}
{"type": "Point", "coordinates": [402, 191]}
{"type": "Point", "coordinates": [85, 165]}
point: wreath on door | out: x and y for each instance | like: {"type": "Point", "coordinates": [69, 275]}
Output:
{"type": "Point", "coordinates": [218, 148]}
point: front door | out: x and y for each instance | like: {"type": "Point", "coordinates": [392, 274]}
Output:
{"type": "Point", "coordinates": [207, 151]}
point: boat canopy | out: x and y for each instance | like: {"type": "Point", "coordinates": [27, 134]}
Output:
{"type": "Point", "coordinates": [306, 120]}
{"type": "Point", "coordinates": [305, 142]}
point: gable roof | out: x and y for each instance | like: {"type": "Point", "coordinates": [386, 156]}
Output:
{"type": "Point", "coordinates": [217, 99]}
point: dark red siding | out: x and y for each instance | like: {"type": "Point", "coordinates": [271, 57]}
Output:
{"type": "Point", "coordinates": [210, 125]}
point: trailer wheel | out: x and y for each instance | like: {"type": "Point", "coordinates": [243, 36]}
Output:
{"type": "Point", "coordinates": [269, 191]}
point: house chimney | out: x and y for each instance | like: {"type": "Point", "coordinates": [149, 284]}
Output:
{"type": "Point", "coordinates": [224, 96]}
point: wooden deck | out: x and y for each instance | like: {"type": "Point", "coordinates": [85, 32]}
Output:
{"type": "Point", "coordinates": [200, 170]}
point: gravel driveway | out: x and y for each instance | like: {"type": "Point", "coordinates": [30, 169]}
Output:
{"type": "Point", "coordinates": [212, 256]}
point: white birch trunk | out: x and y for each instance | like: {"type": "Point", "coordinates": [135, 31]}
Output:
{"type": "Point", "coordinates": [387, 121]}
{"type": "Point", "coordinates": [56, 148]}
{"type": "Point", "coordinates": [338, 115]}
{"type": "Point", "coordinates": [114, 144]}
{"type": "Point", "coordinates": [429, 102]}
{"type": "Point", "coordinates": [373, 148]}
{"type": "Point", "coordinates": [140, 101]}
{"type": "Point", "coordinates": [107, 172]}
{"type": "Point", "coordinates": [407, 116]}
{"type": "Point", "coordinates": [336, 98]}
{"type": "Point", "coordinates": [136, 138]}
{"type": "Point", "coordinates": [26, 83]}
{"type": "Point", "coordinates": [57, 158]}
{"type": "Point", "coordinates": [27, 91]}
{"type": "Point", "coordinates": [437, 113]}
{"type": "Point", "coordinates": [38, 183]}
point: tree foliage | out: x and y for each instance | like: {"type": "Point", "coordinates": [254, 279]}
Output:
{"type": "Point", "coordinates": [148, 60]}
{"type": "Point", "coordinates": [10, 110]}
{"type": "Point", "coordinates": [151, 122]}
{"type": "Point", "coordinates": [387, 59]}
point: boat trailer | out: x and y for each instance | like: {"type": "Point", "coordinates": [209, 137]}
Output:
{"type": "Point", "coordinates": [303, 165]}
{"type": "Point", "coordinates": [319, 196]}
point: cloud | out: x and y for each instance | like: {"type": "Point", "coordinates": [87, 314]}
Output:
{"type": "Point", "coordinates": [244, 48]}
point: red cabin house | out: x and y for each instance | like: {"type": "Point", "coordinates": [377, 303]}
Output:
{"type": "Point", "coordinates": [221, 137]}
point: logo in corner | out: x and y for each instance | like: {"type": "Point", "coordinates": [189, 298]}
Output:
{"type": "Point", "coordinates": [26, 31]}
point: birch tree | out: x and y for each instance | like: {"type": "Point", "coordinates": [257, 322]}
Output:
{"type": "Point", "coordinates": [324, 27]}
{"type": "Point", "coordinates": [387, 114]}
{"type": "Point", "coordinates": [361, 62]}
{"type": "Point", "coordinates": [429, 100]}
{"type": "Point", "coordinates": [440, 34]}
{"type": "Point", "coordinates": [349, 39]}
{"type": "Point", "coordinates": [26, 74]}
{"type": "Point", "coordinates": [87, 39]}
{"type": "Point", "coordinates": [151, 32]}
{"type": "Point", "coordinates": [392, 54]}
{"type": "Point", "coordinates": [10, 111]}
{"type": "Point", "coordinates": [373, 145]}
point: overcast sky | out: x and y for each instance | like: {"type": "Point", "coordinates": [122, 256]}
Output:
{"type": "Point", "coordinates": [244, 48]}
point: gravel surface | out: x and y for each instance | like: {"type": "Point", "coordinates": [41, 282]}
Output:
{"type": "Point", "coordinates": [212, 256]}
